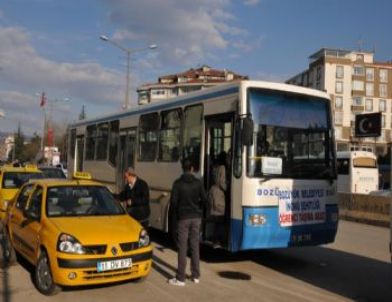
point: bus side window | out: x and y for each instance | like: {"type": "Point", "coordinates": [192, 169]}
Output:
{"type": "Point", "coordinates": [148, 136]}
{"type": "Point", "coordinates": [169, 138]}
{"type": "Point", "coordinates": [193, 117]}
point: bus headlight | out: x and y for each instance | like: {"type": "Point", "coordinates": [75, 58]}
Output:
{"type": "Point", "coordinates": [257, 219]}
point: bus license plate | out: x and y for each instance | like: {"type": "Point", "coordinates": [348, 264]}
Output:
{"type": "Point", "coordinates": [114, 264]}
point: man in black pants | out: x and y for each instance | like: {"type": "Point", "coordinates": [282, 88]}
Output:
{"type": "Point", "coordinates": [188, 199]}
{"type": "Point", "coordinates": [136, 197]}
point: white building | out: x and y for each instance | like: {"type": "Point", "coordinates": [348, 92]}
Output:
{"type": "Point", "coordinates": [357, 84]}
{"type": "Point", "coordinates": [173, 85]}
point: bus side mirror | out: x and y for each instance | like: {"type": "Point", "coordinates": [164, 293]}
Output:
{"type": "Point", "coordinates": [247, 131]}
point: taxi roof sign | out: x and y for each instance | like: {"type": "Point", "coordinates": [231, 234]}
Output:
{"type": "Point", "coordinates": [82, 175]}
{"type": "Point", "coordinates": [31, 167]}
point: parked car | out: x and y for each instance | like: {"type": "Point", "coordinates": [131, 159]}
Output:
{"type": "Point", "coordinates": [11, 179]}
{"type": "Point", "coordinates": [74, 233]}
{"type": "Point", "coordinates": [52, 172]}
{"type": "Point", "coordinates": [63, 167]}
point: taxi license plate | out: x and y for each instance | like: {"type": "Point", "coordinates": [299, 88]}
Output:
{"type": "Point", "coordinates": [103, 266]}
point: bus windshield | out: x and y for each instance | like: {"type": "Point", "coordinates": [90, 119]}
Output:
{"type": "Point", "coordinates": [292, 136]}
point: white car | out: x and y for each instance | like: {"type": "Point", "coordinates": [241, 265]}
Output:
{"type": "Point", "coordinates": [64, 168]}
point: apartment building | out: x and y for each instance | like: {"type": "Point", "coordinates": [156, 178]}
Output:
{"type": "Point", "coordinates": [173, 85]}
{"type": "Point", "coordinates": [357, 84]}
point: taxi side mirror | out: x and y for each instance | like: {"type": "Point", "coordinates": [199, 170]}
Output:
{"type": "Point", "coordinates": [247, 131]}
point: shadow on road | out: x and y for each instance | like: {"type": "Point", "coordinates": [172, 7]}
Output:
{"type": "Point", "coordinates": [352, 276]}
{"type": "Point", "coordinates": [5, 291]}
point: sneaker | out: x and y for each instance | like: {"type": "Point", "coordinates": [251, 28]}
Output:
{"type": "Point", "coordinates": [195, 280]}
{"type": "Point", "coordinates": [175, 281]}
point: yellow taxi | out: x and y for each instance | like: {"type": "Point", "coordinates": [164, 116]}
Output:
{"type": "Point", "coordinates": [75, 233]}
{"type": "Point", "coordinates": [11, 179]}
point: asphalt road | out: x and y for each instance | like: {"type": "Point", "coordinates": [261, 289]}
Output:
{"type": "Point", "coordinates": [355, 268]}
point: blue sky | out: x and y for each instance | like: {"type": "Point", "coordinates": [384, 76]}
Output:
{"type": "Point", "coordinates": [54, 45]}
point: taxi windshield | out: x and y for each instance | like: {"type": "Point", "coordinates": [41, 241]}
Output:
{"type": "Point", "coordinates": [64, 201]}
{"type": "Point", "coordinates": [14, 180]}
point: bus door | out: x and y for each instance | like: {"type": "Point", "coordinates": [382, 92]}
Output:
{"type": "Point", "coordinates": [127, 145]}
{"type": "Point", "coordinates": [79, 152]}
{"type": "Point", "coordinates": [218, 138]}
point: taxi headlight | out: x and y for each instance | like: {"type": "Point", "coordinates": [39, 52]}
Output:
{"type": "Point", "coordinates": [69, 244]}
{"type": "Point", "coordinates": [144, 239]}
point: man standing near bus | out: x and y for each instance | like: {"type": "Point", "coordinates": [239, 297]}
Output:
{"type": "Point", "coordinates": [136, 197]}
{"type": "Point", "coordinates": [188, 199]}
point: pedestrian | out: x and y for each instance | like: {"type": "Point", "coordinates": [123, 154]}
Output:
{"type": "Point", "coordinates": [188, 199]}
{"type": "Point", "coordinates": [136, 197]}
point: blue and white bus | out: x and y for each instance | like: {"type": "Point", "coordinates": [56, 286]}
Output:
{"type": "Point", "coordinates": [281, 172]}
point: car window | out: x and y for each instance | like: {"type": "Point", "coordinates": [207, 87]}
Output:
{"type": "Point", "coordinates": [14, 180]}
{"type": "Point", "coordinates": [24, 196]}
{"type": "Point", "coordinates": [52, 173]}
{"type": "Point", "coordinates": [63, 201]}
{"type": "Point", "coordinates": [34, 207]}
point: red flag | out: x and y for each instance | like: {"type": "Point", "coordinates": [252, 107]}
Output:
{"type": "Point", "coordinates": [43, 100]}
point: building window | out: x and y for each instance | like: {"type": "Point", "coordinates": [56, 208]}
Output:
{"type": "Point", "coordinates": [339, 71]}
{"type": "Point", "coordinates": [338, 118]}
{"type": "Point", "coordinates": [339, 87]}
{"type": "Point", "coordinates": [369, 74]}
{"type": "Point", "coordinates": [384, 75]}
{"type": "Point", "coordinates": [338, 133]}
{"type": "Point", "coordinates": [342, 147]}
{"type": "Point", "coordinates": [369, 89]}
{"type": "Point", "coordinates": [357, 101]}
{"type": "Point", "coordinates": [159, 92]}
{"type": "Point", "coordinates": [369, 105]}
{"type": "Point", "coordinates": [383, 90]}
{"type": "Point", "coordinates": [358, 85]}
{"type": "Point", "coordinates": [383, 120]}
{"type": "Point", "coordinates": [169, 139]}
{"type": "Point", "coordinates": [382, 106]}
{"type": "Point", "coordinates": [148, 136]}
{"type": "Point", "coordinates": [359, 70]}
{"type": "Point", "coordinates": [338, 102]}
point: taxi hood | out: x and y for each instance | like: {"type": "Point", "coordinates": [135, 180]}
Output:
{"type": "Point", "coordinates": [99, 229]}
{"type": "Point", "coordinates": [8, 194]}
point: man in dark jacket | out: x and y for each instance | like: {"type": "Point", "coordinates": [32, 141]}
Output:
{"type": "Point", "coordinates": [136, 197]}
{"type": "Point", "coordinates": [188, 199]}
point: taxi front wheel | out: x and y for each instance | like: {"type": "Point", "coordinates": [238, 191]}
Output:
{"type": "Point", "coordinates": [43, 276]}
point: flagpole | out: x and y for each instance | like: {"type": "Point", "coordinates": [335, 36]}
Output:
{"type": "Point", "coordinates": [42, 104]}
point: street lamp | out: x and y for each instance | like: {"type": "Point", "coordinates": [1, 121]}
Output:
{"type": "Point", "coordinates": [128, 51]}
